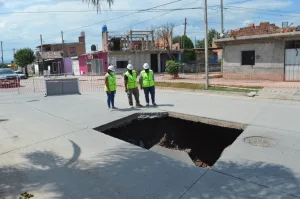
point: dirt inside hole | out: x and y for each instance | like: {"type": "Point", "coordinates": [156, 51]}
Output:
{"type": "Point", "coordinates": [204, 143]}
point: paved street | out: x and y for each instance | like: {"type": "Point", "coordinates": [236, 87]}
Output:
{"type": "Point", "coordinates": [48, 147]}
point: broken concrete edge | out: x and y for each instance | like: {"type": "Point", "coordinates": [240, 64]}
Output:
{"type": "Point", "coordinates": [210, 121]}
{"type": "Point", "coordinates": [151, 115]}
{"type": "Point", "coordinates": [128, 119]}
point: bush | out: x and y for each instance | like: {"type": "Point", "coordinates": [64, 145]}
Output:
{"type": "Point", "coordinates": [172, 67]}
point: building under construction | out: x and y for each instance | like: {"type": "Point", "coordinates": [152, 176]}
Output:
{"type": "Point", "coordinates": [138, 47]}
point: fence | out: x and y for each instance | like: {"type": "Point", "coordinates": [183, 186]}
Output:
{"type": "Point", "coordinates": [185, 81]}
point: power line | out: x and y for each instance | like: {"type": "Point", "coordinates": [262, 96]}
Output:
{"type": "Point", "coordinates": [80, 11]}
{"type": "Point", "coordinates": [149, 19]}
{"type": "Point", "coordinates": [123, 16]}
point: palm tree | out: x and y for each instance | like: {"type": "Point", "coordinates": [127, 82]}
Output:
{"type": "Point", "coordinates": [97, 3]}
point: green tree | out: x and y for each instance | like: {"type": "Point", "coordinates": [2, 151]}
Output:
{"type": "Point", "coordinates": [188, 55]}
{"type": "Point", "coordinates": [3, 65]}
{"type": "Point", "coordinates": [24, 57]}
{"type": "Point", "coordinates": [212, 33]}
{"type": "Point", "coordinates": [97, 3]}
{"type": "Point", "coordinates": [200, 44]}
{"type": "Point", "coordinates": [176, 39]}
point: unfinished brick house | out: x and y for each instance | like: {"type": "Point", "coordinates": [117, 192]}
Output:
{"type": "Point", "coordinates": [263, 52]}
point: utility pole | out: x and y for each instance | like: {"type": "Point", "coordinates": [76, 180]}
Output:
{"type": "Point", "coordinates": [222, 17]}
{"type": "Point", "coordinates": [14, 50]}
{"type": "Point", "coordinates": [62, 43]}
{"type": "Point", "coordinates": [206, 44]}
{"type": "Point", "coordinates": [2, 52]}
{"type": "Point", "coordinates": [185, 23]}
{"type": "Point", "coordinates": [42, 52]}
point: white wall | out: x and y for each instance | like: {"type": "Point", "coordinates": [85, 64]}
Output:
{"type": "Point", "coordinates": [137, 59]}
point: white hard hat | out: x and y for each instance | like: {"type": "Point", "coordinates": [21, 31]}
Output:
{"type": "Point", "coordinates": [146, 66]}
{"type": "Point", "coordinates": [112, 68]}
{"type": "Point", "coordinates": [129, 66]}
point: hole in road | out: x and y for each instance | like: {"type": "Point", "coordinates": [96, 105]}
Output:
{"type": "Point", "coordinates": [204, 143]}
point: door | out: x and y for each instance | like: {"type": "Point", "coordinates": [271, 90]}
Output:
{"type": "Point", "coordinates": [99, 68]}
{"type": "Point", "coordinates": [154, 63]}
{"type": "Point", "coordinates": [292, 64]}
{"type": "Point", "coordinates": [75, 64]}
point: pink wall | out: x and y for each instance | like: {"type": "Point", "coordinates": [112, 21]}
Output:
{"type": "Point", "coordinates": [82, 61]}
{"type": "Point", "coordinates": [82, 64]}
{"type": "Point", "coordinates": [103, 56]}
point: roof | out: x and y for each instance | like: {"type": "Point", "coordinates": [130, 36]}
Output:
{"type": "Point", "coordinates": [51, 55]}
{"type": "Point", "coordinates": [60, 44]}
{"type": "Point", "coordinates": [257, 37]}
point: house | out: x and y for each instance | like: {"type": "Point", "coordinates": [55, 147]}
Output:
{"type": "Point", "coordinates": [155, 58]}
{"type": "Point", "coordinates": [94, 63]}
{"type": "Point", "coordinates": [263, 52]}
{"type": "Point", "coordinates": [56, 58]}
{"type": "Point", "coordinates": [137, 48]}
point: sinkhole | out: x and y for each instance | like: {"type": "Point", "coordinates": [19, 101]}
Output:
{"type": "Point", "coordinates": [203, 139]}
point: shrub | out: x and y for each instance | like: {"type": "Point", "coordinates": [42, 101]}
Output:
{"type": "Point", "coordinates": [172, 67]}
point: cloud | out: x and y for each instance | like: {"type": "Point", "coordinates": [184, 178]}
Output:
{"type": "Point", "coordinates": [23, 30]}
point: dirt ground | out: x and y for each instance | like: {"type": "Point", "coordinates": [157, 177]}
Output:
{"type": "Point", "coordinates": [204, 143]}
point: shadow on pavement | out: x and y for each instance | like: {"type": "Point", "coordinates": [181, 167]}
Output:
{"type": "Point", "coordinates": [114, 173]}
{"type": "Point", "coordinates": [118, 173]}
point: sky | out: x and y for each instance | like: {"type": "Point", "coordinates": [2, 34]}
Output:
{"type": "Point", "coordinates": [23, 21]}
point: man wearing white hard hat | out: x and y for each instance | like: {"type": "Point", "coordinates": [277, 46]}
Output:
{"type": "Point", "coordinates": [131, 86]}
{"type": "Point", "coordinates": [110, 87]}
{"type": "Point", "coordinates": [147, 83]}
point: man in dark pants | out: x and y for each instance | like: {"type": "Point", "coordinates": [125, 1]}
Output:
{"type": "Point", "coordinates": [147, 83]}
{"type": "Point", "coordinates": [131, 86]}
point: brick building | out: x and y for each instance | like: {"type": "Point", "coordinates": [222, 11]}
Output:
{"type": "Point", "coordinates": [263, 52]}
{"type": "Point", "coordinates": [56, 57]}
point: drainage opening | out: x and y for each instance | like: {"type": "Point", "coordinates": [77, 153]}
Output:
{"type": "Point", "coordinates": [204, 143]}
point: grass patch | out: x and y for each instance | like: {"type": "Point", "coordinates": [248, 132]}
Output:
{"type": "Point", "coordinates": [202, 87]}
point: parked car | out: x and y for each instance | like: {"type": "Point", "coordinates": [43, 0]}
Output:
{"type": "Point", "coordinates": [8, 78]}
{"type": "Point", "coordinates": [21, 74]}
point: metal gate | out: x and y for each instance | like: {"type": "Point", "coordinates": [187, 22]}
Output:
{"type": "Point", "coordinates": [292, 64]}
{"type": "Point", "coordinates": [97, 67]}
{"type": "Point", "coordinates": [75, 64]}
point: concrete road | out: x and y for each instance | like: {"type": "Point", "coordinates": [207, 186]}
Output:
{"type": "Point", "coordinates": [48, 147]}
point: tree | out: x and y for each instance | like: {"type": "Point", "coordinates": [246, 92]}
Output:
{"type": "Point", "coordinates": [188, 55]}
{"type": "Point", "coordinates": [176, 39]}
{"type": "Point", "coordinates": [3, 66]}
{"type": "Point", "coordinates": [200, 43]}
{"type": "Point", "coordinates": [165, 33]}
{"type": "Point", "coordinates": [24, 57]}
{"type": "Point", "coordinates": [212, 33]}
{"type": "Point", "coordinates": [97, 3]}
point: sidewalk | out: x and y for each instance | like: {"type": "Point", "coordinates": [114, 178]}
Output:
{"type": "Point", "coordinates": [48, 147]}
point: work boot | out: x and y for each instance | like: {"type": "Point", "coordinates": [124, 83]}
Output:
{"type": "Point", "coordinates": [154, 104]}
{"type": "Point", "coordinates": [147, 104]}
{"type": "Point", "coordinates": [139, 105]}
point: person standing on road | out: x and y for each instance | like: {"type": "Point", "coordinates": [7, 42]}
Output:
{"type": "Point", "coordinates": [131, 86]}
{"type": "Point", "coordinates": [110, 87]}
{"type": "Point", "coordinates": [147, 83]}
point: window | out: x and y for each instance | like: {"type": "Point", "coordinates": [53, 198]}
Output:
{"type": "Point", "coordinates": [122, 64]}
{"type": "Point", "coordinates": [73, 50]}
{"type": "Point", "coordinates": [248, 57]}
